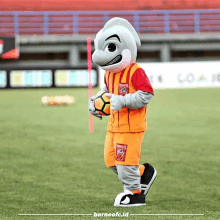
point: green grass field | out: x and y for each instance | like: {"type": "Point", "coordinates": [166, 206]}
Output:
{"type": "Point", "coordinates": [51, 164]}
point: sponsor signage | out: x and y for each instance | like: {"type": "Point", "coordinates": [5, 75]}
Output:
{"type": "Point", "coordinates": [31, 78]}
{"type": "Point", "coordinates": [183, 75]}
{"type": "Point", "coordinates": [180, 74]}
{"type": "Point", "coordinates": [46, 77]}
{"type": "Point", "coordinates": [3, 79]}
{"type": "Point", "coordinates": [77, 78]}
{"type": "Point", "coordinates": [8, 48]}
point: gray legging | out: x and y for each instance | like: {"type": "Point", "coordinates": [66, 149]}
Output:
{"type": "Point", "coordinates": [129, 176]}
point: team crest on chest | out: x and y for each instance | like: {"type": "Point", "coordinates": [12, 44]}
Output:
{"type": "Point", "coordinates": [123, 89]}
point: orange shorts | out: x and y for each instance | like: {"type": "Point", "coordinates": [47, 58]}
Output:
{"type": "Point", "coordinates": [123, 148]}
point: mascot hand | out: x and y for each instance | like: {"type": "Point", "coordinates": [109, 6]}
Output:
{"type": "Point", "coordinates": [117, 101]}
{"type": "Point", "coordinates": [92, 108]}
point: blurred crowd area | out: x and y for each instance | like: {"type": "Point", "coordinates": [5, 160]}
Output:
{"type": "Point", "coordinates": [66, 5]}
{"type": "Point", "coordinates": [53, 33]}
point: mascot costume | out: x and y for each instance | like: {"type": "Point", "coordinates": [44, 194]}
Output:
{"type": "Point", "coordinates": [130, 91]}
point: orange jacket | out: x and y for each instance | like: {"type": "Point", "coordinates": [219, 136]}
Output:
{"type": "Point", "coordinates": [125, 120]}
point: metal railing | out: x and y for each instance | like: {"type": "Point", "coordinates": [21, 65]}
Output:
{"type": "Point", "coordinates": [90, 22]}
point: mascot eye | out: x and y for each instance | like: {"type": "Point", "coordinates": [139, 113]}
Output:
{"type": "Point", "coordinates": [111, 47]}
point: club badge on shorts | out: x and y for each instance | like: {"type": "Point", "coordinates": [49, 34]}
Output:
{"type": "Point", "coordinates": [123, 89]}
{"type": "Point", "coordinates": [120, 152]}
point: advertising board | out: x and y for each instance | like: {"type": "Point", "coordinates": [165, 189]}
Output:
{"type": "Point", "coordinates": [179, 74]}
{"type": "Point", "coordinates": [47, 77]}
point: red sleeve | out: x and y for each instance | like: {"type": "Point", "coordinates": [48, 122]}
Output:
{"type": "Point", "coordinates": [141, 82]}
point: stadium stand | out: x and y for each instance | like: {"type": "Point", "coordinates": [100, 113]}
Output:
{"type": "Point", "coordinates": [89, 22]}
{"type": "Point", "coordinates": [67, 17]}
{"type": "Point", "coordinates": [45, 29]}
{"type": "Point", "coordinates": [73, 5]}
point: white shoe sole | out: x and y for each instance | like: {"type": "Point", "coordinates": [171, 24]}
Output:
{"type": "Point", "coordinates": [140, 204]}
{"type": "Point", "coordinates": [125, 203]}
{"type": "Point", "coordinates": [146, 188]}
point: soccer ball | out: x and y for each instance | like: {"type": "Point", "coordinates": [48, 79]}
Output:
{"type": "Point", "coordinates": [102, 103]}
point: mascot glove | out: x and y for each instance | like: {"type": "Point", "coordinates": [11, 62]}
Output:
{"type": "Point", "coordinates": [92, 108]}
{"type": "Point", "coordinates": [117, 101]}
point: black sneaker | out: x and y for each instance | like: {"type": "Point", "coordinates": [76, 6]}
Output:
{"type": "Point", "coordinates": [147, 178]}
{"type": "Point", "coordinates": [128, 199]}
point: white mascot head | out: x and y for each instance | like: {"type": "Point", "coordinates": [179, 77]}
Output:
{"type": "Point", "coordinates": [116, 45]}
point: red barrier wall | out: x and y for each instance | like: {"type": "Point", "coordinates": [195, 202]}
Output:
{"type": "Point", "coordinates": [73, 5]}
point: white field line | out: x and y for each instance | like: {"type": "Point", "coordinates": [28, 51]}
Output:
{"type": "Point", "coordinates": [55, 214]}
{"type": "Point", "coordinates": [129, 214]}
{"type": "Point", "coordinates": [167, 214]}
